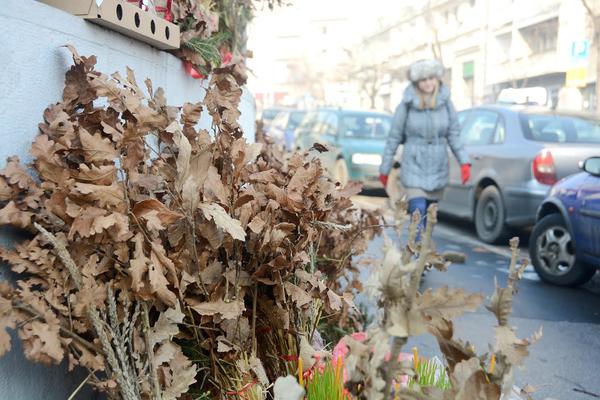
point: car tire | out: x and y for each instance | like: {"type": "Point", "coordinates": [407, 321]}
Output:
{"type": "Point", "coordinates": [490, 215]}
{"type": "Point", "coordinates": [553, 253]}
{"type": "Point", "coordinates": [340, 172]}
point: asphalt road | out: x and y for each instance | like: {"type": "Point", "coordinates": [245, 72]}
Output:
{"type": "Point", "coordinates": [566, 362]}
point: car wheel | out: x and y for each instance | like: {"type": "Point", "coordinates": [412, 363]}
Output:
{"type": "Point", "coordinates": [340, 172]}
{"type": "Point", "coordinates": [553, 253]}
{"type": "Point", "coordinates": [490, 215]}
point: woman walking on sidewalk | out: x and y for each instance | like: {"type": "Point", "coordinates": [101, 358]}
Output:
{"type": "Point", "coordinates": [426, 123]}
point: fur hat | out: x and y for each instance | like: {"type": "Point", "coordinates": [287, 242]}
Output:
{"type": "Point", "coordinates": [423, 69]}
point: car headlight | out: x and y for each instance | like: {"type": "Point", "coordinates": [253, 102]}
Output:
{"type": "Point", "coordinates": [367, 159]}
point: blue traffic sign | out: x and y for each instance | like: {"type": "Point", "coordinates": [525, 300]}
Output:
{"type": "Point", "coordinates": [580, 49]}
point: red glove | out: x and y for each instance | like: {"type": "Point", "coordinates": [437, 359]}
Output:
{"type": "Point", "coordinates": [465, 173]}
{"type": "Point", "coordinates": [383, 179]}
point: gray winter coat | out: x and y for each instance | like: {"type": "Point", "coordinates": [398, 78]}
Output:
{"type": "Point", "coordinates": [425, 135]}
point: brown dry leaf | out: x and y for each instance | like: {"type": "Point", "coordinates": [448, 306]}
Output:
{"type": "Point", "coordinates": [191, 113]}
{"type": "Point", "coordinates": [7, 320]}
{"type": "Point", "coordinates": [227, 310]}
{"type": "Point", "coordinates": [42, 341]}
{"type": "Point", "coordinates": [334, 300]}
{"type": "Point", "coordinates": [515, 349]}
{"type": "Point", "coordinates": [77, 89]}
{"type": "Point", "coordinates": [166, 326]}
{"type": "Point", "coordinates": [447, 303]}
{"type": "Point", "coordinates": [191, 168]}
{"type": "Point", "coordinates": [351, 189]}
{"type": "Point", "coordinates": [154, 207]}
{"type": "Point", "coordinates": [212, 274]}
{"type": "Point", "coordinates": [268, 176]}
{"type": "Point", "coordinates": [116, 224]}
{"type": "Point", "coordinates": [299, 296]}
{"type": "Point", "coordinates": [160, 265]}
{"type": "Point", "coordinates": [97, 149]}
{"type": "Point", "coordinates": [138, 265]}
{"type": "Point", "coordinates": [256, 225]}
{"type": "Point", "coordinates": [11, 215]}
{"type": "Point", "coordinates": [476, 387]}
{"type": "Point", "coordinates": [303, 178]}
{"type": "Point", "coordinates": [183, 375]}
{"type": "Point", "coordinates": [16, 175]}
{"type": "Point", "coordinates": [501, 304]}
{"type": "Point", "coordinates": [100, 175]}
{"type": "Point", "coordinates": [214, 190]}
{"type": "Point", "coordinates": [105, 196]}
{"type": "Point", "coordinates": [215, 212]}
{"type": "Point", "coordinates": [5, 190]}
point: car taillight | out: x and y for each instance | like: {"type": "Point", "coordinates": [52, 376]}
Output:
{"type": "Point", "coordinates": [543, 168]}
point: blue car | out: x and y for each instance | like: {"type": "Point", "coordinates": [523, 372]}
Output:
{"type": "Point", "coordinates": [355, 140]}
{"type": "Point", "coordinates": [565, 243]}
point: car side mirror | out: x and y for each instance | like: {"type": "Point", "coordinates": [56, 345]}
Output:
{"type": "Point", "coordinates": [592, 166]}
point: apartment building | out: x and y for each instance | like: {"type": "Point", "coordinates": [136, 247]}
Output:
{"type": "Point", "coordinates": [486, 46]}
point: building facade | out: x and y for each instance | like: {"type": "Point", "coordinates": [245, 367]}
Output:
{"type": "Point", "coordinates": [487, 46]}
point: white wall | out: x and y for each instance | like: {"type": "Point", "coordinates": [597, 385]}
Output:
{"type": "Point", "coordinates": [32, 68]}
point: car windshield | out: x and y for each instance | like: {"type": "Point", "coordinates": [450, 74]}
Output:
{"type": "Point", "coordinates": [280, 121]}
{"type": "Point", "coordinates": [560, 128]}
{"type": "Point", "coordinates": [269, 114]}
{"type": "Point", "coordinates": [366, 125]}
{"type": "Point", "coordinates": [296, 118]}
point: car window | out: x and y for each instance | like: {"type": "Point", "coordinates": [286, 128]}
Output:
{"type": "Point", "coordinates": [280, 121]}
{"type": "Point", "coordinates": [500, 134]}
{"type": "Point", "coordinates": [330, 124]}
{"type": "Point", "coordinates": [309, 122]}
{"type": "Point", "coordinates": [269, 114]}
{"type": "Point", "coordinates": [295, 119]}
{"type": "Point", "coordinates": [480, 128]}
{"type": "Point", "coordinates": [462, 116]}
{"type": "Point", "coordinates": [555, 128]}
{"type": "Point", "coordinates": [365, 125]}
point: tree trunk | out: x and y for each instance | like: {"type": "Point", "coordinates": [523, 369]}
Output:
{"type": "Point", "coordinates": [597, 37]}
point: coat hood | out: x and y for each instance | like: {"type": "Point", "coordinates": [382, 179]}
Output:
{"type": "Point", "coordinates": [411, 96]}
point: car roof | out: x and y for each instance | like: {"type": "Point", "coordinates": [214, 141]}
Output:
{"type": "Point", "coordinates": [538, 110]}
{"type": "Point", "coordinates": [352, 111]}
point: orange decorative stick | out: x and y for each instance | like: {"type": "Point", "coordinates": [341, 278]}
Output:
{"type": "Point", "coordinates": [300, 377]}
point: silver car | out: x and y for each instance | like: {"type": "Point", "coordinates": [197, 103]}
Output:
{"type": "Point", "coordinates": [517, 154]}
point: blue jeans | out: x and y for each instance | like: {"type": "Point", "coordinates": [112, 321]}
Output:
{"type": "Point", "coordinates": [421, 204]}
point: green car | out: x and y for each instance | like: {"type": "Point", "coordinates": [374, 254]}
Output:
{"type": "Point", "coordinates": [354, 139]}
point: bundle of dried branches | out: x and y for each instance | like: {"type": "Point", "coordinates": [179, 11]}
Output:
{"type": "Point", "coordinates": [407, 312]}
{"type": "Point", "coordinates": [163, 257]}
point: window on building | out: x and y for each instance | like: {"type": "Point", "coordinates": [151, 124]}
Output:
{"type": "Point", "coordinates": [541, 37]}
{"type": "Point", "coordinates": [505, 42]}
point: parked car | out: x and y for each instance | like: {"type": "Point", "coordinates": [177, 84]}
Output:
{"type": "Point", "coordinates": [517, 154]}
{"type": "Point", "coordinates": [565, 243]}
{"type": "Point", "coordinates": [282, 128]}
{"type": "Point", "coordinates": [355, 140]}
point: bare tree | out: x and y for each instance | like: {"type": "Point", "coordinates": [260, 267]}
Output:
{"type": "Point", "coordinates": [370, 80]}
{"type": "Point", "coordinates": [593, 10]}
{"type": "Point", "coordinates": [436, 45]}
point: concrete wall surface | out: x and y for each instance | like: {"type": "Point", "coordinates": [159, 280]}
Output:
{"type": "Point", "coordinates": [32, 65]}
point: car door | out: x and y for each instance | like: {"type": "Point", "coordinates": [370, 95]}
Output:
{"type": "Point", "coordinates": [588, 228]}
{"type": "Point", "coordinates": [482, 132]}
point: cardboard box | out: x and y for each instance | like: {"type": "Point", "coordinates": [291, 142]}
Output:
{"type": "Point", "coordinates": [126, 18]}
